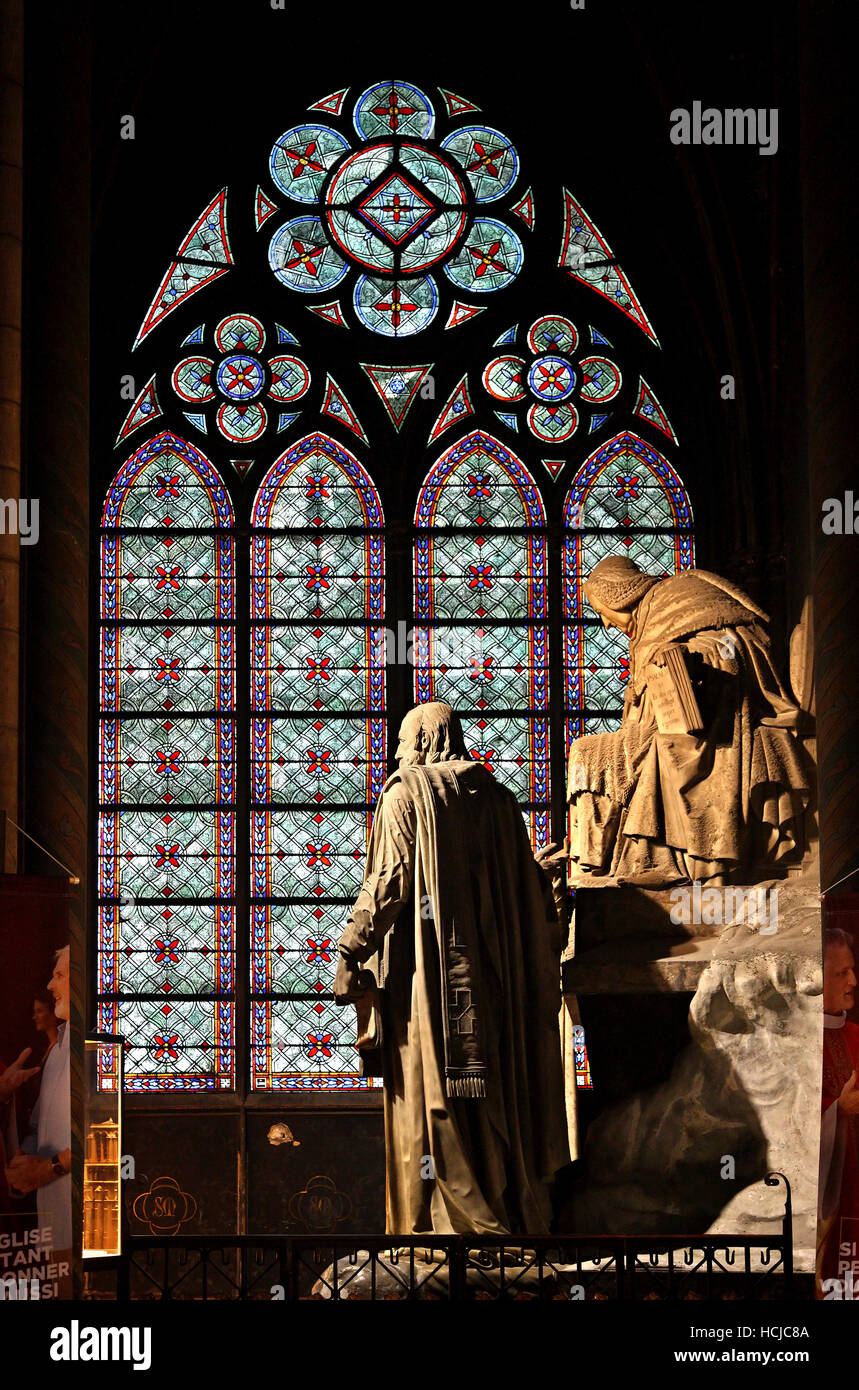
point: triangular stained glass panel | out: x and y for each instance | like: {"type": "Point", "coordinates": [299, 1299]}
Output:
{"type": "Point", "coordinates": [554, 465]}
{"type": "Point", "coordinates": [597, 421]}
{"type": "Point", "coordinates": [337, 406]}
{"type": "Point", "coordinates": [284, 335]}
{"type": "Point", "coordinates": [397, 387]}
{"type": "Point", "coordinates": [455, 105]}
{"type": "Point", "coordinates": [587, 256]}
{"type": "Point", "coordinates": [198, 421]}
{"type": "Point", "coordinates": [264, 208]}
{"type": "Point", "coordinates": [333, 103]}
{"type": "Point", "coordinates": [458, 408]}
{"type": "Point", "coordinates": [242, 465]}
{"type": "Point", "coordinates": [525, 209]}
{"type": "Point", "coordinates": [285, 420]}
{"type": "Point", "coordinates": [208, 240]}
{"type": "Point", "coordinates": [144, 410]}
{"type": "Point", "coordinates": [461, 313]}
{"type": "Point", "coordinates": [203, 256]}
{"type": "Point", "coordinates": [597, 337]}
{"type": "Point", "coordinates": [330, 312]}
{"type": "Point", "coordinates": [647, 408]}
{"type": "Point", "coordinates": [195, 336]}
{"type": "Point", "coordinates": [508, 336]}
{"type": "Point", "coordinates": [507, 419]}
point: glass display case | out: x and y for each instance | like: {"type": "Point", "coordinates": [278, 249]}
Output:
{"type": "Point", "coordinates": [102, 1146]}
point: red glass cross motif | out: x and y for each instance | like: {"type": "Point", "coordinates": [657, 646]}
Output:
{"type": "Point", "coordinates": [480, 669]}
{"type": "Point", "coordinates": [166, 854]}
{"type": "Point", "coordinates": [397, 307]}
{"type": "Point", "coordinates": [318, 855]}
{"type": "Point", "coordinates": [167, 1045]}
{"type": "Point", "coordinates": [169, 670]}
{"type": "Point", "coordinates": [483, 755]}
{"type": "Point", "coordinates": [318, 759]}
{"type": "Point", "coordinates": [485, 160]}
{"type": "Point", "coordinates": [627, 485]}
{"type": "Point", "coordinates": [166, 950]}
{"type": "Point", "coordinates": [481, 578]}
{"type": "Point", "coordinates": [394, 110]}
{"type": "Point", "coordinates": [479, 485]}
{"type": "Point", "coordinates": [167, 762]}
{"type": "Point", "coordinates": [304, 257]}
{"type": "Point", "coordinates": [319, 950]}
{"type": "Point", "coordinates": [304, 161]}
{"type": "Point", "coordinates": [319, 1043]}
{"type": "Point", "coordinates": [487, 259]}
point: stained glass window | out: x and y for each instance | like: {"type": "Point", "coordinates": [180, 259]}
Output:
{"type": "Point", "coordinates": [167, 770]}
{"type": "Point", "coordinates": [318, 752]}
{"type": "Point", "coordinates": [481, 635]}
{"type": "Point", "coordinates": [625, 498]}
{"type": "Point", "coordinates": [384, 210]}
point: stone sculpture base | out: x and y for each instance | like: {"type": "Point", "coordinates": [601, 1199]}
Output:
{"type": "Point", "coordinates": [746, 1089]}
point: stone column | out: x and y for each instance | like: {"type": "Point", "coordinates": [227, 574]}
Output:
{"type": "Point", "coordinates": [11, 233]}
{"type": "Point", "coordinates": [59, 662]}
{"type": "Point", "coordinates": [827, 100]}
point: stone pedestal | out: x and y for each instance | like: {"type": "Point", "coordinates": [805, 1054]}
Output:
{"type": "Point", "coordinates": [743, 1097]}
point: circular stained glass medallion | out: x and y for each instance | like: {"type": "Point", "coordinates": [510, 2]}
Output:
{"type": "Point", "coordinates": [242, 424]}
{"type": "Point", "coordinates": [504, 378]}
{"type": "Point", "coordinates": [396, 212]}
{"type": "Point", "coordinates": [301, 159]}
{"type": "Point", "coordinates": [552, 333]}
{"type": "Point", "coordinates": [397, 308]}
{"type": "Point", "coordinates": [289, 378]}
{"type": "Point", "coordinates": [240, 333]}
{"type": "Point", "coordinates": [192, 379]}
{"type": "Point", "coordinates": [394, 108]}
{"type": "Point", "coordinates": [600, 379]}
{"type": "Point", "coordinates": [490, 258]}
{"type": "Point", "coordinates": [240, 377]}
{"type": "Point", "coordinates": [551, 378]}
{"type": "Point", "coordinates": [553, 423]}
{"type": "Point", "coordinates": [488, 159]}
{"type": "Point", "coordinates": [302, 259]}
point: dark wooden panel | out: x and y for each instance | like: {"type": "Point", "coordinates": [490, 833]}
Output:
{"type": "Point", "coordinates": [333, 1181]}
{"type": "Point", "coordinates": [200, 1152]}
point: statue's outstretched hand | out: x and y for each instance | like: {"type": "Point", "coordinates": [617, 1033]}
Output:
{"type": "Point", "coordinates": [346, 986]}
{"type": "Point", "coordinates": [552, 858]}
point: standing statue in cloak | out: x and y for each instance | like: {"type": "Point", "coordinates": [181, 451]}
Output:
{"type": "Point", "coordinates": [456, 935]}
{"type": "Point", "coordinates": [705, 778]}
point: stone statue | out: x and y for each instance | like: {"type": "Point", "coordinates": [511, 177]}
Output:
{"type": "Point", "coordinates": [704, 779]}
{"type": "Point", "coordinates": [456, 924]}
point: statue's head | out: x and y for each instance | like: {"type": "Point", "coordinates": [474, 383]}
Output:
{"type": "Point", "coordinates": [615, 588]}
{"type": "Point", "coordinates": [430, 733]}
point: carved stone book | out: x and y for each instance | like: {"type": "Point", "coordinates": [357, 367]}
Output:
{"type": "Point", "coordinates": [674, 703]}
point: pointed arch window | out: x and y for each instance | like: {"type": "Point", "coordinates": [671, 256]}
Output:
{"type": "Point", "coordinates": [626, 497]}
{"type": "Point", "coordinates": [167, 785]}
{"type": "Point", "coordinates": [481, 635]}
{"type": "Point", "coordinates": [318, 752]}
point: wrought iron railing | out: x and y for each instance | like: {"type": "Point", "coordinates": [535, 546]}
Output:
{"type": "Point", "coordinates": [453, 1268]}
